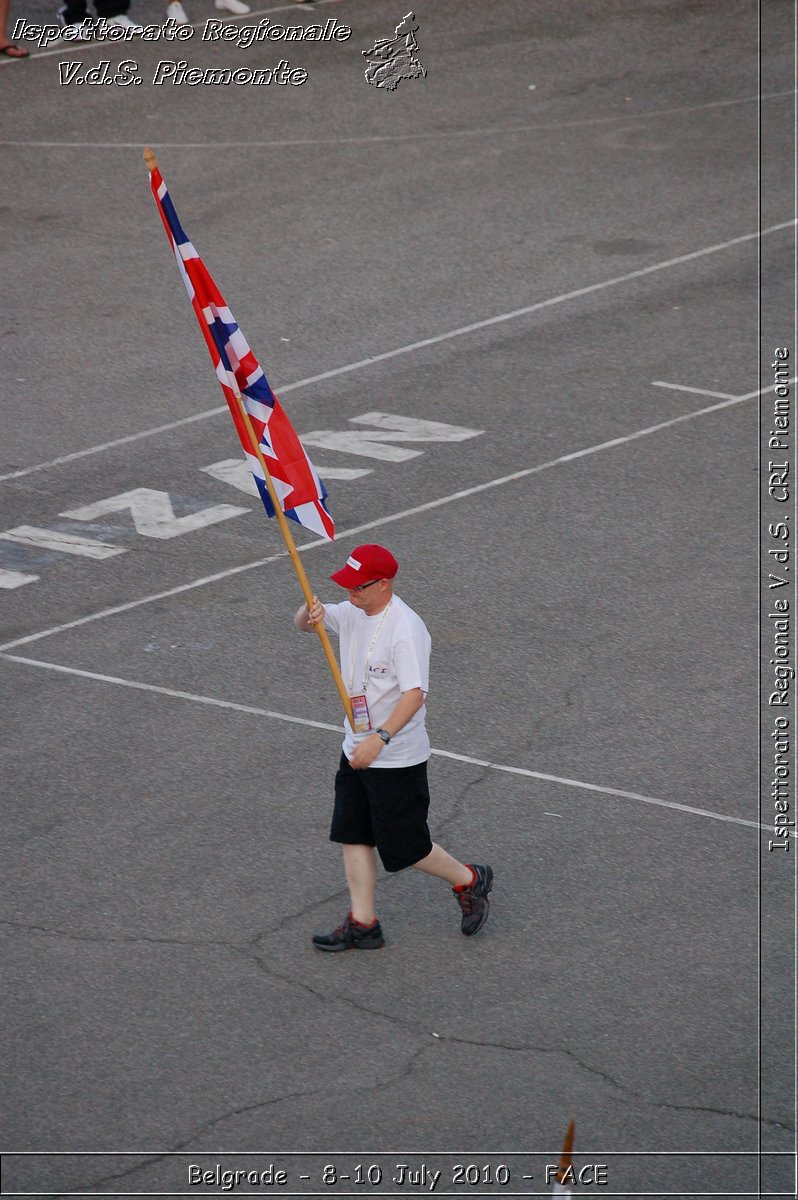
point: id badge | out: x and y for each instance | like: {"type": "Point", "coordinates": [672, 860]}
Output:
{"type": "Point", "coordinates": [360, 711]}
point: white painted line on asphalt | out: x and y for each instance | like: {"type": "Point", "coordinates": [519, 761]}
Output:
{"type": "Point", "coordinates": [153, 514]}
{"type": "Point", "coordinates": [381, 441]}
{"type": "Point", "coordinates": [593, 787]}
{"type": "Point", "coordinates": [175, 693]}
{"type": "Point", "coordinates": [120, 441]}
{"type": "Point", "coordinates": [679, 387]}
{"type": "Point", "coordinates": [623, 118]}
{"type": "Point", "coordinates": [411, 347]}
{"type": "Point", "coordinates": [61, 542]}
{"type": "Point", "coordinates": [115, 609]}
{"type": "Point", "coordinates": [15, 579]}
{"type": "Point", "coordinates": [253, 710]}
{"type": "Point", "coordinates": [398, 516]}
{"type": "Point", "coordinates": [235, 473]}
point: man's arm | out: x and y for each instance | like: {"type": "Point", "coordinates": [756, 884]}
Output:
{"type": "Point", "coordinates": [306, 618]}
{"type": "Point", "coordinates": [407, 706]}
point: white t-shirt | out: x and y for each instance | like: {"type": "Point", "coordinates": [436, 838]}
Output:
{"type": "Point", "coordinates": [383, 656]}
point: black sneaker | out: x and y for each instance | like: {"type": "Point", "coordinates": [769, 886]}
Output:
{"type": "Point", "coordinates": [474, 900]}
{"type": "Point", "coordinates": [350, 936]}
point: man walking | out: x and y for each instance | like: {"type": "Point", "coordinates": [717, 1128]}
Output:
{"type": "Point", "coordinates": [381, 792]}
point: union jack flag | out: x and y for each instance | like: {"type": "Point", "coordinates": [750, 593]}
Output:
{"type": "Point", "coordinates": [299, 490]}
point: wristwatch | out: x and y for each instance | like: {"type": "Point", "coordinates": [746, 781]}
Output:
{"type": "Point", "coordinates": [384, 734]}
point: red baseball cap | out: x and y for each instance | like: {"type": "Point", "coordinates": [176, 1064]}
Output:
{"type": "Point", "coordinates": [365, 564]}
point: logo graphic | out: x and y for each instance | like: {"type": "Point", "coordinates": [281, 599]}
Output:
{"type": "Point", "coordinates": [393, 59]}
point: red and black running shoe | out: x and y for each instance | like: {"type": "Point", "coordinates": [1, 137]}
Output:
{"type": "Point", "coordinates": [474, 901]}
{"type": "Point", "coordinates": [351, 935]}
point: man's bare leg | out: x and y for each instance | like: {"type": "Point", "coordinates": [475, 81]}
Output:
{"type": "Point", "coordinates": [360, 864]}
{"type": "Point", "coordinates": [443, 866]}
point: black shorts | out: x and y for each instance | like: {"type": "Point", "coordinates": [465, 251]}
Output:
{"type": "Point", "coordinates": [384, 807]}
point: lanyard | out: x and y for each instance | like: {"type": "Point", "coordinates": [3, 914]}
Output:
{"type": "Point", "coordinates": [369, 653]}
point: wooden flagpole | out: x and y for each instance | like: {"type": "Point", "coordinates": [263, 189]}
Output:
{"type": "Point", "coordinates": [288, 537]}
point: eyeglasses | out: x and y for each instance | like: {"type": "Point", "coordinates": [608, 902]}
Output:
{"type": "Point", "coordinates": [361, 587]}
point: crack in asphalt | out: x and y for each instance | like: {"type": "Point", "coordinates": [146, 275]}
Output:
{"type": "Point", "coordinates": [247, 951]}
{"type": "Point", "coordinates": [459, 800]}
{"type": "Point", "coordinates": [243, 946]}
{"type": "Point", "coordinates": [302, 912]}
{"type": "Point", "coordinates": [722, 1112]}
{"type": "Point", "coordinates": [195, 1133]}
{"type": "Point", "coordinates": [127, 939]}
{"type": "Point", "coordinates": [516, 1048]}
{"type": "Point", "coordinates": [627, 1094]}
{"type": "Point", "coordinates": [200, 1130]}
{"type": "Point", "coordinates": [553, 712]}
{"type": "Point", "coordinates": [588, 655]}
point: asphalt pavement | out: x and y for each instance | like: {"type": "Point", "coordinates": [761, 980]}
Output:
{"type": "Point", "coordinates": [521, 309]}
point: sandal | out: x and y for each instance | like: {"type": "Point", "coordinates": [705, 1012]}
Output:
{"type": "Point", "coordinates": [12, 51]}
